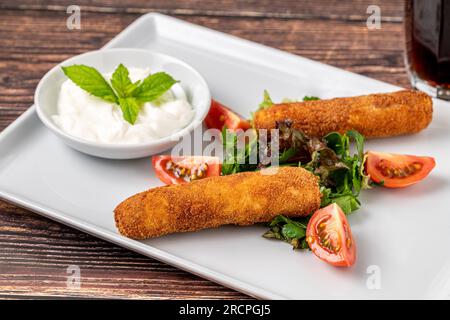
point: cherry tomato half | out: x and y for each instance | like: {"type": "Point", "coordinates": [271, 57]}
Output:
{"type": "Point", "coordinates": [220, 116]}
{"type": "Point", "coordinates": [330, 238]}
{"type": "Point", "coordinates": [397, 170]}
{"type": "Point", "coordinates": [177, 170]}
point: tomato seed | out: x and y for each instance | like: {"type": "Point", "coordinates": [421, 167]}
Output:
{"type": "Point", "coordinates": [388, 171]}
{"type": "Point", "coordinates": [188, 174]}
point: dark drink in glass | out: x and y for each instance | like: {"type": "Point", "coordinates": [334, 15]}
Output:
{"type": "Point", "coordinates": [427, 31]}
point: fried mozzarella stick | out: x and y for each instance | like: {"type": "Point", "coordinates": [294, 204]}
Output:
{"type": "Point", "coordinates": [243, 199]}
{"type": "Point", "coordinates": [374, 115]}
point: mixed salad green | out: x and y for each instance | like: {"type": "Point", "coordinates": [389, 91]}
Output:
{"type": "Point", "coordinates": [337, 159]}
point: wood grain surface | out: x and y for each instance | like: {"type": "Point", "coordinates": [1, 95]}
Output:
{"type": "Point", "coordinates": [35, 252]}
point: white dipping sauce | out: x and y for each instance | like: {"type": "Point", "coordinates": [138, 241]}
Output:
{"type": "Point", "coordinates": [87, 117]}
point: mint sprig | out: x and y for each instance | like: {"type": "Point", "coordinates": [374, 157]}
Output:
{"type": "Point", "coordinates": [120, 81]}
{"type": "Point", "coordinates": [122, 91]}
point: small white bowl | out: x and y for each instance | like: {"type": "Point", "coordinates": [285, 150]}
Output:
{"type": "Point", "coordinates": [197, 92]}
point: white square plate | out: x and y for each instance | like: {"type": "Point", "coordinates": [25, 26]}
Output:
{"type": "Point", "coordinates": [403, 236]}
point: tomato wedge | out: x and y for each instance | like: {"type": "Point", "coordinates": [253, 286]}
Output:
{"type": "Point", "coordinates": [220, 116]}
{"type": "Point", "coordinates": [330, 238]}
{"type": "Point", "coordinates": [177, 170]}
{"type": "Point", "coordinates": [397, 170]}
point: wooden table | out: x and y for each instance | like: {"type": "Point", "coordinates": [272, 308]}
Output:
{"type": "Point", "coordinates": [35, 252]}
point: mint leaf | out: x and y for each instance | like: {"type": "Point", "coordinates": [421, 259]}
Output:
{"type": "Point", "coordinates": [130, 96]}
{"type": "Point", "coordinates": [90, 80]}
{"type": "Point", "coordinates": [120, 80]}
{"type": "Point", "coordinates": [130, 109]}
{"type": "Point", "coordinates": [129, 90]}
{"type": "Point", "coordinates": [153, 87]}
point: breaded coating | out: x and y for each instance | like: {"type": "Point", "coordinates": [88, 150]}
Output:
{"type": "Point", "coordinates": [243, 199]}
{"type": "Point", "coordinates": [374, 115]}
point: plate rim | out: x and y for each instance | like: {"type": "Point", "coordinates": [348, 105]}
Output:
{"type": "Point", "coordinates": [134, 245]}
